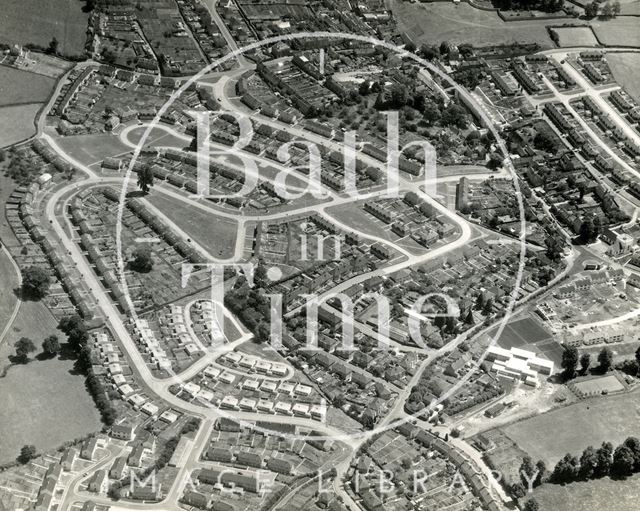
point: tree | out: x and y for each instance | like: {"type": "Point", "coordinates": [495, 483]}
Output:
{"type": "Point", "coordinates": [555, 247]}
{"type": "Point", "coordinates": [142, 260]}
{"type": "Point", "coordinates": [27, 453]}
{"type": "Point", "coordinates": [518, 490]}
{"type": "Point", "coordinates": [569, 362]}
{"type": "Point", "coordinates": [607, 11]}
{"type": "Point", "coordinates": [638, 359]}
{"type": "Point", "coordinates": [445, 47]}
{"type": "Point", "coordinates": [468, 320]}
{"type": "Point", "coordinates": [531, 505]}
{"type": "Point", "coordinates": [585, 361]}
{"type": "Point", "coordinates": [145, 179]}
{"type": "Point", "coordinates": [53, 46]}
{"type": "Point", "coordinates": [633, 444]}
{"type": "Point", "coordinates": [589, 231]}
{"type": "Point", "coordinates": [588, 463]}
{"type": "Point", "coordinates": [35, 282]}
{"type": "Point", "coordinates": [616, 8]}
{"type": "Point", "coordinates": [605, 452]}
{"type": "Point", "coordinates": [527, 469]}
{"type": "Point", "coordinates": [455, 115]}
{"type": "Point", "coordinates": [399, 95]}
{"type": "Point", "coordinates": [429, 52]}
{"type": "Point", "coordinates": [541, 467]}
{"type": "Point", "coordinates": [544, 142]}
{"type": "Point", "coordinates": [623, 461]}
{"type": "Point", "coordinates": [591, 10]}
{"type": "Point", "coordinates": [605, 359]}
{"type": "Point", "coordinates": [566, 469]}
{"type": "Point", "coordinates": [51, 345]}
{"type": "Point", "coordinates": [76, 331]}
{"type": "Point", "coordinates": [24, 346]}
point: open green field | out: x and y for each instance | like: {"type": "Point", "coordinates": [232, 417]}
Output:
{"type": "Point", "coordinates": [38, 21]}
{"type": "Point", "coordinates": [8, 282]}
{"type": "Point", "coordinates": [18, 87]}
{"type": "Point", "coordinates": [623, 31]}
{"type": "Point", "coordinates": [92, 149]}
{"type": "Point", "coordinates": [43, 402]}
{"type": "Point", "coordinates": [18, 123]}
{"type": "Point", "coordinates": [571, 429]}
{"type": "Point", "coordinates": [626, 70]}
{"type": "Point", "coordinates": [354, 216]}
{"type": "Point", "coordinates": [596, 494]}
{"type": "Point", "coordinates": [433, 23]}
{"type": "Point", "coordinates": [576, 36]}
{"type": "Point", "coordinates": [216, 234]}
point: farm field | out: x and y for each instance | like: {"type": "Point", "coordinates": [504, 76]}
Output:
{"type": "Point", "coordinates": [21, 119]}
{"type": "Point", "coordinates": [37, 22]}
{"type": "Point", "coordinates": [551, 435]}
{"type": "Point", "coordinates": [216, 234]}
{"type": "Point", "coordinates": [595, 494]}
{"type": "Point", "coordinates": [618, 32]}
{"type": "Point", "coordinates": [19, 87]}
{"type": "Point", "coordinates": [576, 36]}
{"type": "Point", "coordinates": [44, 403]}
{"type": "Point", "coordinates": [626, 70]}
{"type": "Point", "coordinates": [436, 22]}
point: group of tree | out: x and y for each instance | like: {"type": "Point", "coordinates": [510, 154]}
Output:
{"type": "Point", "coordinates": [77, 337]}
{"type": "Point", "coordinates": [571, 358]}
{"type": "Point", "coordinates": [590, 230]}
{"type": "Point", "coordinates": [145, 179]}
{"type": "Point", "coordinates": [27, 453]}
{"type": "Point", "coordinates": [76, 331]}
{"type": "Point", "coordinates": [527, 5]}
{"type": "Point", "coordinates": [51, 345]}
{"type": "Point", "coordinates": [609, 10]}
{"type": "Point", "coordinates": [35, 282]}
{"type": "Point", "coordinates": [142, 261]}
{"type": "Point", "coordinates": [544, 142]}
{"type": "Point", "coordinates": [249, 304]}
{"type": "Point", "coordinates": [596, 463]}
{"type": "Point", "coordinates": [531, 476]}
{"type": "Point", "coordinates": [23, 347]}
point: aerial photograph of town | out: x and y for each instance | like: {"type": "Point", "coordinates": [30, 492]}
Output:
{"type": "Point", "coordinates": [343, 255]}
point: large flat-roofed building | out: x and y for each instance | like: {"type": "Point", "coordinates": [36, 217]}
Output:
{"type": "Point", "coordinates": [518, 364]}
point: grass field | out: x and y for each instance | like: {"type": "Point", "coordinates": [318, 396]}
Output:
{"type": "Point", "coordinates": [18, 87]}
{"type": "Point", "coordinates": [618, 32]}
{"type": "Point", "coordinates": [216, 234]}
{"type": "Point", "coordinates": [8, 282]}
{"type": "Point", "coordinates": [528, 334]}
{"type": "Point", "coordinates": [354, 216]}
{"type": "Point", "coordinates": [626, 71]}
{"type": "Point", "coordinates": [92, 149]}
{"type": "Point", "coordinates": [594, 386]}
{"type": "Point", "coordinates": [436, 22]}
{"type": "Point", "coordinates": [37, 22]}
{"type": "Point", "coordinates": [576, 36]}
{"type": "Point", "coordinates": [20, 119]}
{"type": "Point", "coordinates": [45, 404]}
{"type": "Point", "coordinates": [551, 435]}
{"type": "Point", "coordinates": [596, 494]}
